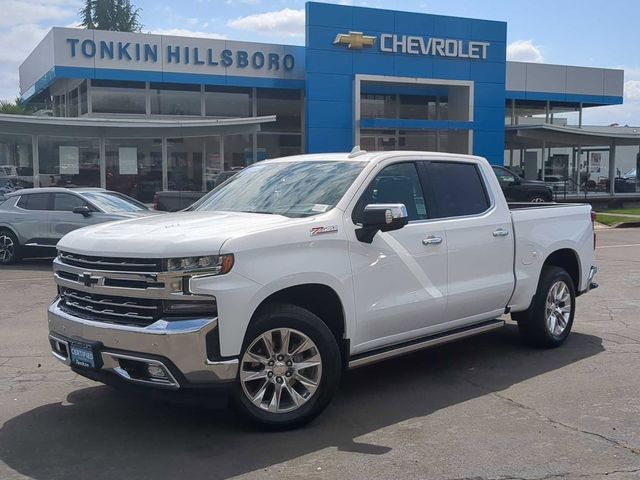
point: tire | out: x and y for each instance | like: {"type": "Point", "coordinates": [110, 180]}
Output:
{"type": "Point", "coordinates": [304, 392]}
{"type": "Point", "coordinates": [537, 198]}
{"type": "Point", "coordinates": [9, 248]}
{"type": "Point", "coordinates": [549, 328]}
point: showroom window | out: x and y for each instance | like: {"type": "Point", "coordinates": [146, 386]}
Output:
{"type": "Point", "coordinates": [227, 101]}
{"type": "Point", "coordinates": [184, 168]}
{"type": "Point", "coordinates": [286, 105]}
{"type": "Point", "coordinates": [175, 99]}
{"type": "Point", "coordinates": [69, 162]}
{"type": "Point", "coordinates": [134, 166]}
{"type": "Point", "coordinates": [16, 162]}
{"type": "Point", "coordinates": [109, 96]}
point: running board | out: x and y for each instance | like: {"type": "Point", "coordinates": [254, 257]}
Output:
{"type": "Point", "coordinates": [379, 355]}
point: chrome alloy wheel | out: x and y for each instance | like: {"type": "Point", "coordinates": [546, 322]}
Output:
{"type": "Point", "coordinates": [558, 308]}
{"type": "Point", "coordinates": [281, 370]}
{"type": "Point", "coordinates": [7, 249]}
{"type": "Point", "coordinates": [538, 200]}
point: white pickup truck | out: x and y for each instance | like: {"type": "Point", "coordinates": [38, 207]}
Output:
{"type": "Point", "coordinates": [297, 268]}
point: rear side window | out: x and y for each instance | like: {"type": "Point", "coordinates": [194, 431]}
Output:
{"type": "Point", "coordinates": [34, 201]}
{"type": "Point", "coordinates": [65, 202]}
{"type": "Point", "coordinates": [457, 189]}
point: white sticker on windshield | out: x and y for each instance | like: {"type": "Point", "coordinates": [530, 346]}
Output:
{"type": "Point", "coordinates": [320, 207]}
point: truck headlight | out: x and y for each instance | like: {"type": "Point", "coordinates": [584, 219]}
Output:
{"type": "Point", "coordinates": [209, 264]}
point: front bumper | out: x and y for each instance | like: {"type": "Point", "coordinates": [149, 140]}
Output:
{"type": "Point", "coordinates": [177, 347]}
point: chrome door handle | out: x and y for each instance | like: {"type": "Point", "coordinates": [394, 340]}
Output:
{"type": "Point", "coordinates": [501, 232]}
{"type": "Point", "coordinates": [431, 240]}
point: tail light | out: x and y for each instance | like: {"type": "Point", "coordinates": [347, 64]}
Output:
{"type": "Point", "coordinates": [594, 217]}
{"type": "Point", "coordinates": [155, 201]}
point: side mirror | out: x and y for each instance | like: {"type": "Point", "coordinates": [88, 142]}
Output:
{"type": "Point", "coordinates": [384, 217]}
{"type": "Point", "coordinates": [83, 210]}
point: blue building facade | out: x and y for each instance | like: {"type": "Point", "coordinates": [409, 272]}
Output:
{"type": "Point", "coordinates": [381, 79]}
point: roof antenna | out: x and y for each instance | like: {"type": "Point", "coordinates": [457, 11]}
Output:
{"type": "Point", "coordinates": [356, 152]}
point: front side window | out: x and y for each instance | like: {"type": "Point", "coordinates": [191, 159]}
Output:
{"type": "Point", "coordinates": [398, 183]}
{"type": "Point", "coordinates": [457, 188]}
{"type": "Point", "coordinates": [292, 189]}
{"type": "Point", "coordinates": [34, 201]}
{"type": "Point", "coordinates": [65, 202]}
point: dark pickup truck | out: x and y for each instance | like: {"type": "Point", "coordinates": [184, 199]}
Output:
{"type": "Point", "coordinates": [518, 189]}
{"type": "Point", "coordinates": [174, 201]}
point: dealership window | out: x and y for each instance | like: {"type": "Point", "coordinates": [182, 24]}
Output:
{"type": "Point", "coordinates": [285, 104]}
{"type": "Point", "coordinates": [277, 145]}
{"type": "Point", "coordinates": [430, 140]}
{"type": "Point", "coordinates": [69, 162]}
{"type": "Point", "coordinates": [213, 161]}
{"type": "Point", "coordinates": [184, 167]}
{"type": "Point", "coordinates": [83, 98]}
{"type": "Point", "coordinates": [73, 103]}
{"type": "Point", "coordinates": [16, 162]}
{"type": "Point", "coordinates": [109, 96]}
{"type": "Point", "coordinates": [175, 99]}
{"type": "Point", "coordinates": [378, 106]}
{"type": "Point", "coordinates": [134, 166]}
{"type": "Point", "coordinates": [238, 151]}
{"type": "Point", "coordinates": [59, 106]}
{"type": "Point", "coordinates": [227, 101]}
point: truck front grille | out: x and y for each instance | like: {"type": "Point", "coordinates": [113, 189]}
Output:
{"type": "Point", "coordinates": [114, 264]}
{"type": "Point", "coordinates": [107, 308]}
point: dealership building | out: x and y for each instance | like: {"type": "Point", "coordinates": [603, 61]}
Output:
{"type": "Point", "coordinates": [140, 113]}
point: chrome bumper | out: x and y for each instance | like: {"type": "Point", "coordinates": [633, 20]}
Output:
{"type": "Point", "coordinates": [181, 342]}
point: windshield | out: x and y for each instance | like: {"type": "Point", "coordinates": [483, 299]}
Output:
{"type": "Point", "coordinates": [293, 189]}
{"type": "Point", "coordinates": [110, 202]}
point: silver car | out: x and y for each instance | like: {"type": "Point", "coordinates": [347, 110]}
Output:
{"type": "Point", "coordinates": [33, 220]}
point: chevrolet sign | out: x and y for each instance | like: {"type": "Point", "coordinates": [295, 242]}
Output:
{"type": "Point", "coordinates": [416, 45]}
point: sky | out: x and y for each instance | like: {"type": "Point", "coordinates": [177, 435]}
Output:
{"type": "Point", "coordinates": [572, 32]}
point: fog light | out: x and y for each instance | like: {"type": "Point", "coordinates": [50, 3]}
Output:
{"type": "Point", "coordinates": [157, 371]}
{"type": "Point", "coordinates": [176, 285]}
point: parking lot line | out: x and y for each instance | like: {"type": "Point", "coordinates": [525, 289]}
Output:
{"type": "Point", "coordinates": [620, 246]}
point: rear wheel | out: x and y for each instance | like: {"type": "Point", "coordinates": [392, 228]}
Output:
{"type": "Point", "coordinates": [9, 248]}
{"type": "Point", "coordinates": [289, 368]}
{"type": "Point", "coordinates": [548, 321]}
{"type": "Point", "coordinates": [537, 198]}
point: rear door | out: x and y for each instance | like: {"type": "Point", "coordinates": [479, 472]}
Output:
{"type": "Point", "coordinates": [480, 241]}
{"type": "Point", "coordinates": [31, 219]}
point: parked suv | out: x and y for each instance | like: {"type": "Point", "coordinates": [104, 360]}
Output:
{"type": "Point", "coordinates": [518, 189]}
{"type": "Point", "coordinates": [33, 220]}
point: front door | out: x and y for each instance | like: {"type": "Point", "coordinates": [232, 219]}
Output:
{"type": "Point", "coordinates": [400, 279]}
{"type": "Point", "coordinates": [62, 220]}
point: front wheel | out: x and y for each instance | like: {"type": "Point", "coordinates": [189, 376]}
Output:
{"type": "Point", "coordinates": [548, 321]}
{"type": "Point", "coordinates": [289, 368]}
{"type": "Point", "coordinates": [9, 248]}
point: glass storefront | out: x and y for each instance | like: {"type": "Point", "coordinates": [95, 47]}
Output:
{"type": "Point", "coordinates": [238, 151]}
{"type": "Point", "coordinates": [175, 99]}
{"type": "Point", "coordinates": [109, 96]}
{"type": "Point", "coordinates": [275, 145]}
{"type": "Point", "coordinates": [16, 162]}
{"type": "Point", "coordinates": [69, 162]}
{"type": "Point", "coordinates": [431, 140]}
{"type": "Point", "coordinates": [184, 163]}
{"type": "Point", "coordinates": [134, 167]}
{"type": "Point", "coordinates": [224, 102]}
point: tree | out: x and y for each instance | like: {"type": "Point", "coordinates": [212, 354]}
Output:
{"type": "Point", "coordinates": [16, 107]}
{"type": "Point", "coordinates": [115, 15]}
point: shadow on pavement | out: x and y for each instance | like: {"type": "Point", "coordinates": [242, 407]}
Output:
{"type": "Point", "coordinates": [40, 264]}
{"type": "Point", "coordinates": [101, 433]}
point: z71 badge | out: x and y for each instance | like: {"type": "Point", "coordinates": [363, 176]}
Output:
{"type": "Point", "coordinates": [320, 230]}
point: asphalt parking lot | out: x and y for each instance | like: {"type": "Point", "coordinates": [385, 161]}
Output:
{"type": "Point", "coordinates": [487, 407]}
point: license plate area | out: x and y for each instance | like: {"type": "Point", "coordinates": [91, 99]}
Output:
{"type": "Point", "coordinates": [85, 354]}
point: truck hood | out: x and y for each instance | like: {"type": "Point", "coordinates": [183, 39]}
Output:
{"type": "Point", "coordinates": [171, 235]}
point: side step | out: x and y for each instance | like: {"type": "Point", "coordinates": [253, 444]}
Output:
{"type": "Point", "coordinates": [381, 354]}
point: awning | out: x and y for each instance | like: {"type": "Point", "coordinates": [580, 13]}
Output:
{"type": "Point", "coordinates": [532, 136]}
{"type": "Point", "coordinates": [129, 127]}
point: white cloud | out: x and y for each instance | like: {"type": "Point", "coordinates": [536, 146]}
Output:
{"type": "Point", "coordinates": [184, 32]}
{"type": "Point", "coordinates": [632, 90]}
{"type": "Point", "coordinates": [20, 12]}
{"type": "Point", "coordinates": [284, 23]}
{"type": "Point", "coordinates": [524, 51]}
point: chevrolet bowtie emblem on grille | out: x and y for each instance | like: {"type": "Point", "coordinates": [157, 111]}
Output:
{"type": "Point", "coordinates": [88, 280]}
{"type": "Point", "coordinates": [354, 40]}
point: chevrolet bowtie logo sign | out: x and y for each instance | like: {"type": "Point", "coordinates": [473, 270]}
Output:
{"type": "Point", "coordinates": [354, 40]}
